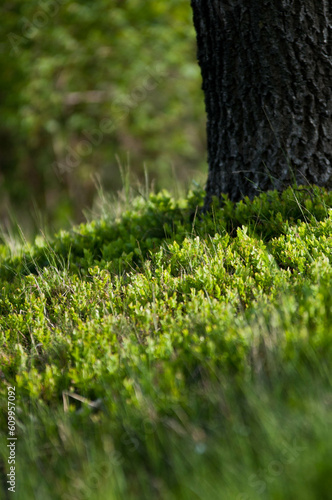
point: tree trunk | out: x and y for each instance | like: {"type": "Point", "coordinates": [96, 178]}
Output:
{"type": "Point", "coordinates": [267, 79]}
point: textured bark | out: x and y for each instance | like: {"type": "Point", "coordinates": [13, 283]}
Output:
{"type": "Point", "coordinates": [267, 79]}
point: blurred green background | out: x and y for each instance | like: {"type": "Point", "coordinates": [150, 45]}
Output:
{"type": "Point", "coordinates": [86, 86]}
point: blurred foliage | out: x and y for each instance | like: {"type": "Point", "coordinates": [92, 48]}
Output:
{"type": "Point", "coordinates": [86, 86]}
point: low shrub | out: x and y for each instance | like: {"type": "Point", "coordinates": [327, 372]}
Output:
{"type": "Point", "coordinates": [169, 343]}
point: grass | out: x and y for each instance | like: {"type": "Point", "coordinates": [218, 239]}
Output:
{"type": "Point", "coordinates": [159, 353]}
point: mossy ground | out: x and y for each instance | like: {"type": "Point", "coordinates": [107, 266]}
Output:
{"type": "Point", "coordinates": [166, 354]}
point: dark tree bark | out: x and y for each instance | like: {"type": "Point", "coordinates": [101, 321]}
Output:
{"type": "Point", "coordinates": [267, 78]}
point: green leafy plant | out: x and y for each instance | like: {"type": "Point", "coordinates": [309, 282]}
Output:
{"type": "Point", "coordinates": [166, 354]}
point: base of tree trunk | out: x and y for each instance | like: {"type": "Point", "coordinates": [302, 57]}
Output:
{"type": "Point", "coordinates": [267, 79]}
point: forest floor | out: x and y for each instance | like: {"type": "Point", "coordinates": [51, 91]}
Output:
{"type": "Point", "coordinates": [158, 353]}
